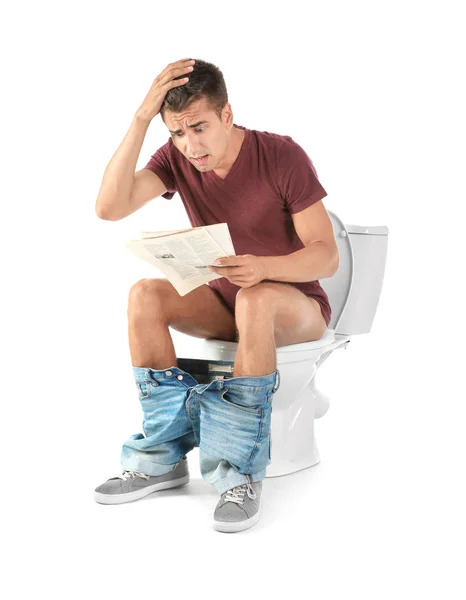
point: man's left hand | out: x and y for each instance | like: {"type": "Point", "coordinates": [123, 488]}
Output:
{"type": "Point", "coordinates": [245, 270]}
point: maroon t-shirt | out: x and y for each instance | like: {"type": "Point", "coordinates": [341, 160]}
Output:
{"type": "Point", "coordinates": [271, 179]}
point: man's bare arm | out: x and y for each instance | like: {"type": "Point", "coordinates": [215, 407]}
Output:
{"type": "Point", "coordinates": [146, 186]}
{"type": "Point", "coordinates": [122, 190]}
{"type": "Point", "coordinates": [113, 201]}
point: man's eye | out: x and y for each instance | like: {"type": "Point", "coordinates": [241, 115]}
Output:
{"type": "Point", "coordinates": [198, 130]}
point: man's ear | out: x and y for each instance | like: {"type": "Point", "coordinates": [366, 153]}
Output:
{"type": "Point", "coordinates": [227, 115]}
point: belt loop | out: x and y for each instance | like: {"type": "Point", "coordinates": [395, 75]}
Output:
{"type": "Point", "coordinates": [278, 381]}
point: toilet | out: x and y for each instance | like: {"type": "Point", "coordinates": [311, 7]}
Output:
{"type": "Point", "coordinates": [353, 292]}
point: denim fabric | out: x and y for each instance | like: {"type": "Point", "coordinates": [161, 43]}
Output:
{"type": "Point", "coordinates": [229, 420]}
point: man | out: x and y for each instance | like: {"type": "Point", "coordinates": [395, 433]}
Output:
{"type": "Point", "coordinates": [266, 188]}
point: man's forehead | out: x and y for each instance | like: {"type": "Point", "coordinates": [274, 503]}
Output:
{"type": "Point", "coordinates": [197, 111]}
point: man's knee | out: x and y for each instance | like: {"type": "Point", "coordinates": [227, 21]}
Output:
{"type": "Point", "coordinates": [258, 299]}
{"type": "Point", "coordinates": [150, 297]}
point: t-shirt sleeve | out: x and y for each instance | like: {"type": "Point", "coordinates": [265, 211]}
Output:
{"type": "Point", "coordinates": [160, 165]}
{"type": "Point", "coordinates": [297, 178]}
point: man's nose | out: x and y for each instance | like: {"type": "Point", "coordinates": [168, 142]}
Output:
{"type": "Point", "coordinates": [193, 148]}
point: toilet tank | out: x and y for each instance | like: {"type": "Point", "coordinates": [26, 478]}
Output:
{"type": "Point", "coordinates": [354, 290]}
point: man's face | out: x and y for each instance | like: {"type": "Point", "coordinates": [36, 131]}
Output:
{"type": "Point", "coordinates": [197, 131]}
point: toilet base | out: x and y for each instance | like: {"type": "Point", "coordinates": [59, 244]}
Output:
{"type": "Point", "coordinates": [280, 466]}
{"type": "Point", "coordinates": [280, 469]}
{"type": "Point", "coordinates": [287, 471]}
{"type": "Point", "coordinates": [293, 446]}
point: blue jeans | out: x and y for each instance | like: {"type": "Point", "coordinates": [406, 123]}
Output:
{"type": "Point", "coordinates": [229, 420]}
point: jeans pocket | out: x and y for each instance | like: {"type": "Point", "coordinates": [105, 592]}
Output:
{"type": "Point", "coordinates": [249, 399]}
{"type": "Point", "coordinates": [143, 389]}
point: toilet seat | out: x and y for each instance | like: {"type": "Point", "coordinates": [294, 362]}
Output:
{"type": "Point", "coordinates": [212, 349]}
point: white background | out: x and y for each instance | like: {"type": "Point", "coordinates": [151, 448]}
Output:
{"type": "Point", "coordinates": [373, 92]}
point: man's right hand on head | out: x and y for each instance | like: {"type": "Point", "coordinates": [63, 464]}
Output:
{"type": "Point", "coordinates": [162, 84]}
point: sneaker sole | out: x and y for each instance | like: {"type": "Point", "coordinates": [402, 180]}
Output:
{"type": "Point", "coordinates": [138, 494]}
{"type": "Point", "coordinates": [233, 526]}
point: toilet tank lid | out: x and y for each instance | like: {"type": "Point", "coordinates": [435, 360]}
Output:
{"type": "Point", "coordinates": [378, 230]}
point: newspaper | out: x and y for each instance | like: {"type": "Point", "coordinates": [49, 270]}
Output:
{"type": "Point", "coordinates": [184, 255]}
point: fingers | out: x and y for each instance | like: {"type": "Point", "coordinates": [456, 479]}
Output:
{"type": "Point", "coordinates": [181, 65]}
{"type": "Point", "coordinates": [175, 83]}
{"type": "Point", "coordinates": [169, 77]}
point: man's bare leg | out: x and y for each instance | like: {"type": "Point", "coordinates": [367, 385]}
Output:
{"type": "Point", "coordinates": [269, 315]}
{"type": "Point", "coordinates": [154, 305]}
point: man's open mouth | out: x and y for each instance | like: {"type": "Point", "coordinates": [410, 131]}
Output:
{"type": "Point", "coordinates": [201, 159]}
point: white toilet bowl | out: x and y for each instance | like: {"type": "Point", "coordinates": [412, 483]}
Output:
{"type": "Point", "coordinates": [353, 293]}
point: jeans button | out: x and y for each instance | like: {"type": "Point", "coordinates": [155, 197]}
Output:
{"type": "Point", "coordinates": [168, 373]}
{"type": "Point", "coordinates": [180, 377]}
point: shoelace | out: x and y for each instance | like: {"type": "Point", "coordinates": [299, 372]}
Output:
{"type": "Point", "coordinates": [237, 493]}
{"type": "Point", "coordinates": [129, 474]}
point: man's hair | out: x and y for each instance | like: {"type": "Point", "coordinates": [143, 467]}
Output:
{"type": "Point", "coordinates": [205, 81]}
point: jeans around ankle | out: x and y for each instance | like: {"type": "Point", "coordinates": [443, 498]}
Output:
{"type": "Point", "coordinates": [229, 420]}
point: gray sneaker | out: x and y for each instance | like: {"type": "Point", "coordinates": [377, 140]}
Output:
{"type": "Point", "coordinates": [131, 485]}
{"type": "Point", "coordinates": [236, 511]}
